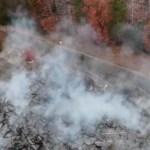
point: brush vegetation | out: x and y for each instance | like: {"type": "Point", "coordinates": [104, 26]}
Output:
{"type": "Point", "coordinates": [31, 3]}
{"type": "Point", "coordinates": [119, 16]}
{"type": "Point", "coordinates": [78, 9]}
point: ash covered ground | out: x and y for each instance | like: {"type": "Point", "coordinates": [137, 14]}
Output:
{"type": "Point", "coordinates": [63, 101]}
{"type": "Point", "coordinates": [38, 125]}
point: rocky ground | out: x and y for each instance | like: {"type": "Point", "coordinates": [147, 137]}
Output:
{"type": "Point", "coordinates": [32, 131]}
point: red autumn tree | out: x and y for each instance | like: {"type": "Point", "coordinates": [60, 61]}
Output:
{"type": "Point", "coordinates": [42, 11]}
{"type": "Point", "coordinates": [98, 14]}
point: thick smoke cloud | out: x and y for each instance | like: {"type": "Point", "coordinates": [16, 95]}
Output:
{"type": "Point", "coordinates": [68, 104]}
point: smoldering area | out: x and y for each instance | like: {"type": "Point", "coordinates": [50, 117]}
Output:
{"type": "Point", "coordinates": [64, 100]}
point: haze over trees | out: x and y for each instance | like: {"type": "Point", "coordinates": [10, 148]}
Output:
{"type": "Point", "coordinates": [98, 15]}
{"type": "Point", "coordinates": [105, 16]}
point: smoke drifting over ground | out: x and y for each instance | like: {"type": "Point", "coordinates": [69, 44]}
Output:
{"type": "Point", "coordinates": [62, 98]}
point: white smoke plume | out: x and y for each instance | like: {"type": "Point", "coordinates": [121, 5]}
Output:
{"type": "Point", "coordinates": [69, 104]}
{"type": "Point", "coordinates": [73, 107]}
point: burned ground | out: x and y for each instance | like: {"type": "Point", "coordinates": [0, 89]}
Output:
{"type": "Point", "coordinates": [31, 130]}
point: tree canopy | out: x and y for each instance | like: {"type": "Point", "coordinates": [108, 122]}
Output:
{"type": "Point", "coordinates": [119, 11]}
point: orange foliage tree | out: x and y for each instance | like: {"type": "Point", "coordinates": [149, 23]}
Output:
{"type": "Point", "coordinates": [42, 11]}
{"type": "Point", "coordinates": [98, 14]}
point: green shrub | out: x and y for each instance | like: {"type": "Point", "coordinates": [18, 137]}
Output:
{"type": "Point", "coordinates": [31, 3]}
{"type": "Point", "coordinates": [119, 11]}
{"type": "Point", "coordinates": [4, 18]}
{"type": "Point", "coordinates": [119, 16]}
{"type": "Point", "coordinates": [78, 11]}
